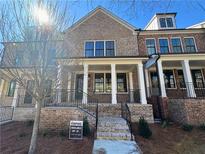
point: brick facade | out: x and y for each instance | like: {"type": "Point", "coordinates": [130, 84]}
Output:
{"type": "Point", "coordinates": [191, 111]}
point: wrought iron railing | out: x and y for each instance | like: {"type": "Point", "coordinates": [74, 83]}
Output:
{"type": "Point", "coordinates": [6, 113]}
{"type": "Point", "coordinates": [126, 114]}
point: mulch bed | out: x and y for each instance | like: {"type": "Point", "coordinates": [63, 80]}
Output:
{"type": "Point", "coordinates": [171, 140]}
{"type": "Point", "coordinates": [15, 138]}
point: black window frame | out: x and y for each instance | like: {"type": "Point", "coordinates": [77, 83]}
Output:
{"type": "Point", "coordinates": [168, 79]}
{"type": "Point", "coordinates": [99, 82]}
{"type": "Point", "coordinates": [194, 79]}
{"type": "Point", "coordinates": [180, 79]}
{"type": "Point", "coordinates": [124, 82]}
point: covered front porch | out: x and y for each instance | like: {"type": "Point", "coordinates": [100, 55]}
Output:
{"type": "Point", "coordinates": [109, 80]}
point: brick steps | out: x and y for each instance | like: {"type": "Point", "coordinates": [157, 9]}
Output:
{"type": "Point", "coordinates": [113, 128]}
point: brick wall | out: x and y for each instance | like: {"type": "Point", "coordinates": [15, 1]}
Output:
{"type": "Point", "coordinates": [58, 118]}
{"type": "Point", "coordinates": [191, 111]}
{"type": "Point", "coordinates": [199, 37]}
{"type": "Point", "coordinates": [139, 110]}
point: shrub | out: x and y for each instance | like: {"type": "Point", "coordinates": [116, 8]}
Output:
{"type": "Point", "coordinates": [144, 129]}
{"type": "Point", "coordinates": [187, 127]}
{"type": "Point", "coordinates": [86, 127]}
{"type": "Point", "coordinates": [165, 124]}
{"type": "Point", "coordinates": [202, 127]}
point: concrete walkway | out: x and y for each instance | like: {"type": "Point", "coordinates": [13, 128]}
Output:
{"type": "Point", "coordinates": [115, 147]}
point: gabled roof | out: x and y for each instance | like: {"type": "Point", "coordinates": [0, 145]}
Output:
{"type": "Point", "coordinates": [105, 11]}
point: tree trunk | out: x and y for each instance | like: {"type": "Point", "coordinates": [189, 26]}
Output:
{"type": "Point", "coordinates": [32, 148]}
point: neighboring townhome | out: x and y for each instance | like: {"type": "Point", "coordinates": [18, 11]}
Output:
{"type": "Point", "coordinates": [105, 58]}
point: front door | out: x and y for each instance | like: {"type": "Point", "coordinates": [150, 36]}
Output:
{"type": "Point", "coordinates": [79, 86]}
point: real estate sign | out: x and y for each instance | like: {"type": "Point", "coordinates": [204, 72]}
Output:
{"type": "Point", "coordinates": [76, 130]}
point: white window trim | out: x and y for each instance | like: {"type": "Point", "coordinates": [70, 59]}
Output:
{"type": "Point", "coordinates": [155, 43]}
{"type": "Point", "coordinates": [173, 21]}
{"type": "Point", "coordinates": [194, 42]}
{"type": "Point", "coordinates": [180, 42]}
{"type": "Point", "coordinates": [94, 41]}
{"type": "Point", "coordinates": [168, 45]}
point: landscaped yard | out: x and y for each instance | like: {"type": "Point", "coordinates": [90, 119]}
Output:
{"type": "Point", "coordinates": [15, 138]}
{"type": "Point", "coordinates": [172, 140]}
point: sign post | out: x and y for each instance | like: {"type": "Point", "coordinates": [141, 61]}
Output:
{"type": "Point", "coordinates": [76, 130]}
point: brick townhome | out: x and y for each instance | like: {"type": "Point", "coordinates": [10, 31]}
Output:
{"type": "Point", "coordinates": [112, 56]}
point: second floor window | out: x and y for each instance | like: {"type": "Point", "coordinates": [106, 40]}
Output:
{"type": "Point", "coordinates": [99, 48]}
{"type": "Point", "coordinates": [176, 45]}
{"type": "Point", "coordinates": [190, 45]}
{"type": "Point", "coordinates": [164, 46]}
{"type": "Point", "coordinates": [150, 44]}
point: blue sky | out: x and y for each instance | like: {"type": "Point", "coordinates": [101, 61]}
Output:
{"type": "Point", "coordinates": [189, 12]}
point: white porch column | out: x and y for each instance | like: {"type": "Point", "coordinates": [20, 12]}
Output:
{"type": "Point", "coordinates": [59, 84]}
{"type": "Point", "coordinates": [85, 84]}
{"type": "Point", "coordinates": [114, 84]}
{"type": "Point", "coordinates": [161, 78]}
{"type": "Point", "coordinates": [15, 98]}
{"type": "Point", "coordinates": [2, 87]}
{"type": "Point", "coordinates": [147, 82]}
{"type": "Point", "coordinates": [141, 82]}
{"type": "Point", "coordinates": [69, 86]}
{"type": "Point", "coordinates": [188, 78]}
{"type": "Point", "coordinates": [131, 87]}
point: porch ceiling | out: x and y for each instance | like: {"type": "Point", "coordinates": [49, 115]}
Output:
{"type": "Point", "coordinates": [192, 63]}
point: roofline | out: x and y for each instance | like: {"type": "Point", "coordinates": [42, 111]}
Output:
{"type": "Point", "coordinates": [203, 22]}
{"type": "Point", "coordinates": [109, 13]}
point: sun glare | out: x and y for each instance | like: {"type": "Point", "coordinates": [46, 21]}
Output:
{"type": "Point", "coordinates": [41, 15]}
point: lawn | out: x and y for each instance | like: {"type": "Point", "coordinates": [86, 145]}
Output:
{"type": "Point", "coordinates": [15, 138]}
{"type": "Point", "coordinates": [171, 140]}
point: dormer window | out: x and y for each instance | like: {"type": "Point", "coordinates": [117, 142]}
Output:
{"type": "Point", "coordinates": [166, 22]}
{"type": "Point", "coordinates": [99, 48]}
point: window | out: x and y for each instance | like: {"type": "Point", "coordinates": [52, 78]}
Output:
{"type": "Point", "coordinates": [103, 82]}
{"type": "Point", "coordinates": [169, 22]}
{"type": "Point", "coordinates": [150, 44]}
{"type": "Point", "coordinates": [121, 82]}
{"type": "Point", "coordinates": [164, 48]}
{"type": "Point", "coordinates": [110, 50]}
{"type": "Point", "coordinates": [99, 48]}
{"type": "Point", "coordinates": [11, 90]}
{"type": "Point", "coordinates": [197, 78]}
{"type": "Point", "coordinates": [162, 22]}
{"type": "Point", "coordinates": [108, 85]}
{"type": "Point", "coordinates": [99, 82]}
{"type": "Point", "coordinates": [47, 88]}
{"type": "Point", "coordinates": [180, 79]}
{"type": "Point", "coordinates": [176, 45]}
{"type": "Point", "coordinates": [190, 45]}
{"type": "Point", "coordinates": [89, 49]}
{"type": "Point", "coordinates": [169, 79]}
{"type": "Point", "coordinates": [166, 22]}
{"type": "Point", "coordinates": [19, 58]}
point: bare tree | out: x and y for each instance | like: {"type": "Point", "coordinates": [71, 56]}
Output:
{"type": "Point", "coordinates": [29, 30]}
